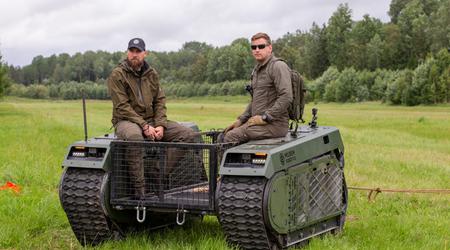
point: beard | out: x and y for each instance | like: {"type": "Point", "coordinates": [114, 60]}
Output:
{"type": "Point", "coordinates": [135, 63]}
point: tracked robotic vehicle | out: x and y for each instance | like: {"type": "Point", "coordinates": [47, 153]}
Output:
{"type": "Point", "coordinates": [267, 194]}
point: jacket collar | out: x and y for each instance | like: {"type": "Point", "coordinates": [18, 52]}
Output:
{"type": "Point", "coordinates": [260, 65]}
{"type": "Point", "coordinates": [268, 59]}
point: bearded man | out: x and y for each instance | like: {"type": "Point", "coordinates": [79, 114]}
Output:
{"type": "Point", "coordinates": [139, 108]}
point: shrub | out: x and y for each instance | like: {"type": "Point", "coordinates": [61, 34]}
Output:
{"type": "Point", "coordinates": [37, 91]}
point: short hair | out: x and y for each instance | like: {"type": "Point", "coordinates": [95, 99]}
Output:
{"type": "Point", "coordinates": [261, 35]}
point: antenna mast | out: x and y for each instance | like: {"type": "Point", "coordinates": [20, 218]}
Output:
{"type": "Point", "coordinates": [84, 117]}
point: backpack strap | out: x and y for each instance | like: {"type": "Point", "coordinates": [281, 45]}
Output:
{"type": "Point", "coordinates": [270, 64]}
{"type": "Point", "coordinates": [296, 121]}
{"type": "Point", "coordinates": [253, 73]}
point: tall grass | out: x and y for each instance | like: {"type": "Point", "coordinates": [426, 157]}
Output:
{"type": "Point", "coordinates": [385, 146]}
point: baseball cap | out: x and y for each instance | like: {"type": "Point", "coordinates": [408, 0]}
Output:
{"type": "Point", "coordinates": [137, 43]}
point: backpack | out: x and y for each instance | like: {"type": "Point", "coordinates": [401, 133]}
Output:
{"type": "Point", "coordinates": [297, 105]}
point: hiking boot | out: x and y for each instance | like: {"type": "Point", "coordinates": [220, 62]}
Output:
{"type": "Point", "coordinates": [139, 193]}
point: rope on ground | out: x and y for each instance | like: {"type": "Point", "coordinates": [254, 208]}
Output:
{"type": "Point", "coordinates": [373, 192]}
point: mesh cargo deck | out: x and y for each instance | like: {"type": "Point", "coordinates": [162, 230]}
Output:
{"type": "Point", "coordinates": [177, 175]}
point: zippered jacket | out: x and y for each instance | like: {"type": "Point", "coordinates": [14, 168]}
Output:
{"type": "Point", "coordinates": [271, 91]}
{"type": "Point", "coordinates": [137, 96]}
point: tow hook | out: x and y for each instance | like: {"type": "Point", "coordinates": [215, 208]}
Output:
{"type": "Point", "coordinates": [140, 217]}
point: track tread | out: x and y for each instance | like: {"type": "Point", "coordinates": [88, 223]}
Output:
{"type": "Point", "coordinates": [81, 200]}
{"type": "Point", "coordinates": [240, 203]}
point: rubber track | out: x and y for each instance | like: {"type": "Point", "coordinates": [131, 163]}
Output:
{"type": "Point", "coordinates": [81, 200]}
{"type": "Point", "coordinates": [240, 202]}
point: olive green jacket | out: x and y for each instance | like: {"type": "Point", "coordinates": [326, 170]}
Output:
{"type": "Point", "coordinates": [272, 91]}
{"type": "Point", "coordinates": [137, 97]}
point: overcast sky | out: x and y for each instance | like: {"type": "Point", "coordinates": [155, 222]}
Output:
{"type": "Point", "coordinates": [46, 27]}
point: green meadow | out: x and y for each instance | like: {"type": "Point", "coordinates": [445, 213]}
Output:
{"type": "Point", "coordinates": [385, 146]}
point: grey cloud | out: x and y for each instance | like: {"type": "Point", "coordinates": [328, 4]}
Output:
{"type": "Point", "coordinates": [30, 28]}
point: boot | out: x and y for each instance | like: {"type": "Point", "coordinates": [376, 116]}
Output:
{"type": "Point", "coordinates": [136, 172]}
{"type": "Point", "coordinates": [139, 192]}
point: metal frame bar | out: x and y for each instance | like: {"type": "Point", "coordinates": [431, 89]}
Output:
{"type": "Point", "coordinates": [169, 199]}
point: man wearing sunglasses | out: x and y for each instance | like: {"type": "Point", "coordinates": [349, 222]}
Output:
{"type": "Point", "coordinates": [139, 109]}
{"type": "Point", "coordinates": [266, 116]}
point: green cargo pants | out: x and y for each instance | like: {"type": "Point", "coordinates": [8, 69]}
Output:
{"type": "Point", "coordinates": [245, 133]}
{"type": "Point", "coordinates": [126, 130]}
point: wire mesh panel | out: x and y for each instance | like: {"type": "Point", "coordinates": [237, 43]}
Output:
{"type": "Point", "coordinates": [325, 192]}
{"type": "Point", "coordinates": [299, 204]}
{"type": "Point", "coordinates": [172, 175]}
{"type": "Point", "coordinates": [316, 193]}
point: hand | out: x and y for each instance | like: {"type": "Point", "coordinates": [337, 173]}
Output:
{"type": "Point", "coordinates": [256, 121]}
{"type": "Point", "coordinates": [236, 124]}
{"type": "Point", "coordinates": [159, 133]}
{"type": "Point", "coordinates": [149, 131]}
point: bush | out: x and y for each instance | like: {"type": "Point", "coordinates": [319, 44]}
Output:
{"type": "Point", "coordinates": [69, 91]}
{"type": "Point", "coordinates": [53, 91]}
{"type": "Point", "coordinates": [101, 92]}
{"type": "Point", "coordinates": [318, 87]}
{"type": "Point", "coordinates": [366, 80]}
{"type": "Point", "coordinates": [4, 79]}
{"type": "Point", "coordinates": [238, 87]}
{"type": "Point", "coordinates": [37, 91]}
{"type": "Point", "coordinates": [420, 91]}
{"type": "Point", "coordinates": [346, 86]}
{"type": "Point", "coordinates": [399, 91]}
{"type": "Point", "coordinates": [330, 92]}
{"type": "Point", "coordinates": [203, 89]}
{"type": "Point", "coordinates": [186, 90]}
{"type": "Point", "coordinates": [381, 81]}
{"type": "Point", "coordinates": [214, 90]}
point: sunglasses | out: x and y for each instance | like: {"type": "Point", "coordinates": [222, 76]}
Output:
{"type": "Point", "coordinates": [259, 46]}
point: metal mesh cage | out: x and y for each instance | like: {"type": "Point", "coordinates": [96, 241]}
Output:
{"type": "Point", "coordinates": [317, 193]}
{"type": "Point", "coordinates": [172, 175]}
{"type": "Point", "coordinates": [326, 191]}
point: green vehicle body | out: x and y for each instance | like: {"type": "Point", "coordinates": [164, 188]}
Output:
{"type": "Point", "coordinates": [287, 159]}
{"type": "Point", "coordinates": [293, 177]}
{"type": "Point", "coordinates": [93, 162]}
{"type": "Point", "coordinates": [284, 153]}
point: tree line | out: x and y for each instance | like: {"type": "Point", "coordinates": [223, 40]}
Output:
{"type": "Point", "coordinates": [428, 83]}
{"type": "Point", "coordinates": [415, 40]}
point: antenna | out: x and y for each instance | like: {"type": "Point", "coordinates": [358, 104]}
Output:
{"type": "Point", "coordinates": [84, 116]}
{"type": "Point", "coordinates": [313, 123]}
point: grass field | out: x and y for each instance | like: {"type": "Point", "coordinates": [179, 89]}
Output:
{"type": "Point", "coordinates": [386, 146]}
